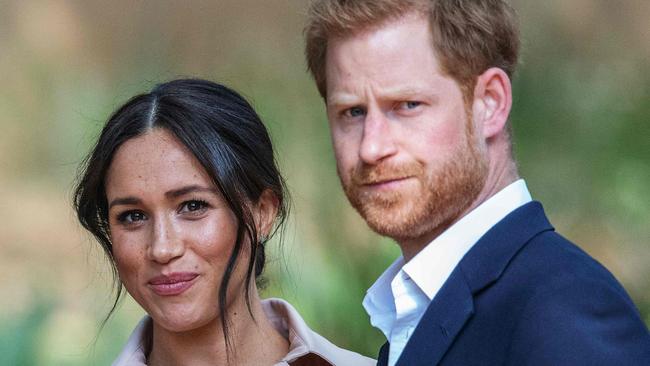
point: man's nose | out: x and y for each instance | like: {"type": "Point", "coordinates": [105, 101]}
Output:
{"type": "Point", "coordinates": [166, 244]}
{"type": "Point", "coordinates": [377, 142]}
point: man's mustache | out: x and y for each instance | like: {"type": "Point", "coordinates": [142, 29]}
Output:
{"type": "Point", "coordinates": [372, 174]}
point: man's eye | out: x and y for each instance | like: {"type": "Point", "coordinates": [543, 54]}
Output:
{"type": "Point", "coordinates": [131, 217]}
{"type": "Point", "coordinates": [193, 206]}
{"type": "Point", "coordinates": [409, 104]}
{"type": "Point", "coordinates": [355, 112]}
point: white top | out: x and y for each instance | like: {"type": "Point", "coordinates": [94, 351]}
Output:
{"type": "Point", "coordinates": [306, 347]}
{"type": "Point", "coordinates": [401, 295]}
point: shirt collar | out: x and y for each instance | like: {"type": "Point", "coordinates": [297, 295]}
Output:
{"type": "Point", "coordinates": [379, 298]}
{"type": "Point", "coordinates": [430, 268]}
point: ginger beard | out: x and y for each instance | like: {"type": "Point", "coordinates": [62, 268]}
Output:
{"type": "Point", "coordinates": [442, 194]}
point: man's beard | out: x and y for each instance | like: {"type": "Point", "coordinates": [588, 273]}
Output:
{"type": "Point", "coordinates": [441, 197]}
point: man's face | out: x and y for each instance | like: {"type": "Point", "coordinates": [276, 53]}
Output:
{"type": "Point", "coordinates": [406, 151]}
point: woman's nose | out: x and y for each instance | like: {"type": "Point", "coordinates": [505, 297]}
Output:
{"type": "Point", "coordinates": [166, 244]}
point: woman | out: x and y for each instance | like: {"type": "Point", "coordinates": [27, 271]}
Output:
{"type": "Point", "coordinates": [182, 192]}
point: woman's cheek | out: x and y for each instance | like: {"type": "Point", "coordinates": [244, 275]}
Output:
{"type": "Point", "coordinates": [129, 257]}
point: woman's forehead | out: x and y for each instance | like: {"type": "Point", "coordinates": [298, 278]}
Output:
{"type": "Point", "coordinates": [155, 160]}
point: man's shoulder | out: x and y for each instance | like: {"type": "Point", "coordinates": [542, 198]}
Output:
{"type": "Point", "coordinates": [553, 260]}
{"type": "Point", "coordinates": [573, 306]}
{"type": "Point", "coordinates": [558, 305]}
{"type": "Point", "coordinates": [548, 267]}
{"type": "Point", "coordinates": [523, 254]}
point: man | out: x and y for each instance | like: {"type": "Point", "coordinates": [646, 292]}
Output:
{"type": "Point", "coordinates": [418, 94]}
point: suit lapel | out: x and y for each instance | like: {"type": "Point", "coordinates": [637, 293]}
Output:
{"type": "Point", "coordinates": [440, 324]}
{"type": "Point", "coordinates": [382, 359]}
{"type": "Point", "coordinates": [453, 306]}
{"type": "Point", "coordinates": [490, 256]}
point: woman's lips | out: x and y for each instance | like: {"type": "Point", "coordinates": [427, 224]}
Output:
{"type": "Point", "coordinates": [172, 284]}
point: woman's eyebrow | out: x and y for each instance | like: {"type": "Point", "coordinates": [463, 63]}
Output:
{"type": "Point", "coordinates": [189, 189]}
{"type": "Point", "coordinates": [124, 201]}
{"type": "Point", "coordinates": [170, 194]}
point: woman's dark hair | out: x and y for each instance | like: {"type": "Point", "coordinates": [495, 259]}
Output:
{"type": "Point", "coordinates": [223, 132]}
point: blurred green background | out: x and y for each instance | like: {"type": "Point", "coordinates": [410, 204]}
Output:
{"type": "Point", "coordinates": [581, 120]}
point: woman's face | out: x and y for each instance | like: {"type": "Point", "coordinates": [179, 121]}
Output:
{"type": "Point", "coordinates": [171, 230]}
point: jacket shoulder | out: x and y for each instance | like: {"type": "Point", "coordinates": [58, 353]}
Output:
{"type": "Point", "coordinates": [575, 312]}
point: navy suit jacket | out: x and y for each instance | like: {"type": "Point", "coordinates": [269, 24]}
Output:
{"type": "Point", "coordinates": [524, 295]}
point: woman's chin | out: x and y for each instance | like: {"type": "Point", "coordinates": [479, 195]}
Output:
{"type": "Point", "coordinates": [178, 321]}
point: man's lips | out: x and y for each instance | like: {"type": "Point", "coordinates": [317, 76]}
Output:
{"type": "Point", "coordinates": [172, 284]}
{"type": "Point", "coordinates": [384, 182]}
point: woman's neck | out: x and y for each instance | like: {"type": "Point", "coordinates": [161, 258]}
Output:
{"type": "Point", "coordinates": [253, 342]}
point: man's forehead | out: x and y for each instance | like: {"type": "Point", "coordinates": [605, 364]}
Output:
{"type": "Point", "coordinates": [405, 43]}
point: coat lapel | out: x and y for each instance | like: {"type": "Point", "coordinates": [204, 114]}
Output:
{"type": "Point", "coordinates": [440, 324]}
{"type": "Point", "coordinates": [453, 306]}
{"type": "Point", "coordinates": [490, 256]}
{"type": "Point", "coordinates": [382, 359]}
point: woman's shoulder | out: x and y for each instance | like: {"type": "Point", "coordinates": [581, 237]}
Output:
{"type": "Point", "coordinates": [305, 345]}
{"type": "Point", "coordinates": [134, 351]}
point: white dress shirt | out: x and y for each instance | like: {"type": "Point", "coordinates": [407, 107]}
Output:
{"type": "Point", "coordinates": [401, 295]}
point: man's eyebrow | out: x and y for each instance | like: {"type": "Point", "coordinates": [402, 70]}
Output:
{"type": "Point", "coordinates": [348, 99]}
{"type": "Point", "coordinates": [405, 92]}
{"type": "Point", "coordinates": [124, 201]}
{"type": "Point", "coordinates": [409, 92]}
{"type": "Point", "coordinates": [338, 99]}
{"type": "Point", "coordinates": [189, 189]}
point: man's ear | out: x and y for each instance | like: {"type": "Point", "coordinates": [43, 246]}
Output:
{"type": "Point", "coordinates": [492, 102]}
{"type": "Point", "coordinates": [266, 211]}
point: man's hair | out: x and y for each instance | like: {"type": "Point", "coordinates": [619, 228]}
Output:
{"type": "Point", "coordinates": [469, 36]}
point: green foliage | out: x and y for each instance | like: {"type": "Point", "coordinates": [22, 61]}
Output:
{"type": "Point", "coordinates": [19, 337]}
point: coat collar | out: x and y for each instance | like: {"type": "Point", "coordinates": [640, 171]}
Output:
{"type": "Point", "coordinates": [485, 263]}
{"type": "Point", "coordinates": [453, 306]}
{"type": "Point", "coordinates": [306, 347]}
{"type": "Point", "coordinates": [444, 318]}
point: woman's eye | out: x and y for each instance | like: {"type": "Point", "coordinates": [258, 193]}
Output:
{"type": "Point", "coordinates": [131, 217]}
{"type": "Point", "coordinates": [193, 206]}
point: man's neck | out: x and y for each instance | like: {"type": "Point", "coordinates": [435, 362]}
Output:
{"type": "Point", "coordinates": [499, 176]}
